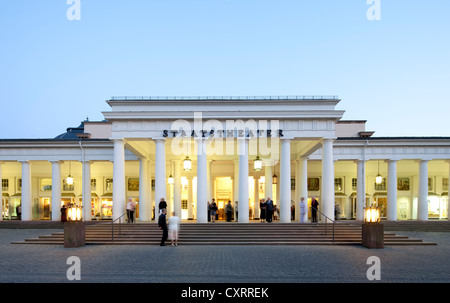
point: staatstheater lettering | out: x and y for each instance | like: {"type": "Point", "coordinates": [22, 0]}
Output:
{"type": "Point", "coordinates": [223, 133]}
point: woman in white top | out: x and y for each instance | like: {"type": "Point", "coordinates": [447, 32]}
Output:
{"type": "Point", "coordinates": [174, 225]}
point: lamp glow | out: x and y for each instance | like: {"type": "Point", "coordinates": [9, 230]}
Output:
{"type": "Point", "coordinates": [171, 180]}
{"type": "Point", "coordinates": [257, 164]}
{"type": "Point", "coordinates": [74, 213]}
{"type": "Point", "coordinates": [187, 165]}
{"type": "Point", "coordinates": [378, 179]}
{"type": "Point", "coordinates": [372, 215]}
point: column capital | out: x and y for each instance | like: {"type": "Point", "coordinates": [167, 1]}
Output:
{"type": "Point", "coordinates": [160, 140]}
{"type": "Point", "coordinates": [54, 161]}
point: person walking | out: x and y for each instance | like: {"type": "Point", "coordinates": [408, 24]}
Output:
{"type": "Point", "coordinates": [163, 226]}
{"type": "Point", "coordinates": [131, 207]}
{"type": "Point", "coordinates": [302, 210]}
{"type": "Point", "coordinates": [314, 208]}
{"type": "Point", "coordinates": [262, 211]}
{"type": "Point", "coordinates": [213, 210]}
{"type": "Point", "coordinates": [174, 226]}
{"type": "Point", "coordinates": [269, 210]}
{"type": "Point", "coordinates": [229, 211]}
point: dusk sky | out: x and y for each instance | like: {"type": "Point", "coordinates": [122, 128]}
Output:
{"type": "Point", "coordinates": [393, 72]}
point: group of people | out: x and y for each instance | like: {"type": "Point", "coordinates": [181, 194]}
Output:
{"type": "Point", "coordinates": [266, 210]}
{"type": "Point", "coordinates": [213, 211]}
{"type": "Point", "coordinates": [169, 230]}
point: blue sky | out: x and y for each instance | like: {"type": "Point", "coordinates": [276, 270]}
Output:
{"type": "Point", "coordinates": [394, 72]}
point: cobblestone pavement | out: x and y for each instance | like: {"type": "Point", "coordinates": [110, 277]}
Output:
{"type": "Point", "coordinates": [229, 264]}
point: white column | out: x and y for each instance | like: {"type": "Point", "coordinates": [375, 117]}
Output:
{"type": "Point", "coordinates": [144, 184]}
{"type": "Point", "coordinates": [448, 191]}
{"type": "Point", "coordinates": [190, 198]}
{"type": "Point", "coordinates": [149, 190]}
{"type": "Point", "coordinates": [268, 173]}
{"type": "Point", "coordinates": [256, 198]}
{"type": "Point", "coordinates": [235, 184]}
{"type": "Point", "coordinates": [360, 189]}
{"type": "Point", "coordinates": [422, 212]}
{"type": "Point", "coordinates": [285, 181]}
{"type": "Point", "coordinates": [177, 188]}
{"type": "Point", "coordinates": [119, 179]}
{"type": "Point", "coordinates": [303, 183]}
{"type": "Point", "coordinates": [392, 191]}
{"type": "Point", "coordinates": [243, 181]}
{"type": "Point", "coordinates": [26, 191]}
{"type": "Point", "coordinates": [160, 173]}
{"type": "Point", "coordinates": [56, 190]}
{"type": "Point", "coordinates": [1, 193]}
{"type": "Point", "coordinates": [208, 177]}
{"type": "Point", "coordinates": [202, 182]}
{"type": "Point", "coordinates": [86, 190]}
{"type": "Point", "coordinates": [327, 179]}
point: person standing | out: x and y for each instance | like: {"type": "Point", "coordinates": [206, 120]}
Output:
{"type": "Point", "coordinates": [163, 226]}
{"type": "Point", "coordinates": [162, 204]}
{"type": "Point", "coordinates": [302, 210]}
{"type": "Point", "coordinates": [269, 210]}
{"type": "Point", "coordinates": [131, 207]}
{"type": "Point", "coordinates": [229, 211]}
{"type": "Point", "coordinates": [213, 210]}
{"type": "Point", "coordinates": [209, 212]}
{"type": "Point", "coordinates": [262, 211]}
{"type": "Point", "coordinates": [314, 208]}
{"type": "Point", "coordinates": [236, 209]}
{"type": "Point", "coordinates": [174, 226]}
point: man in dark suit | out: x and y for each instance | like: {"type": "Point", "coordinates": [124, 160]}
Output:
{"type": "Point", "coordinates": [314, 208]}
{"type": "Point", "coordinates": [269, 210]}
{"type": "Point", "coordinates": [163, 225]}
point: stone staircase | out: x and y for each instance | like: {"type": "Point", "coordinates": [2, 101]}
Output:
{"type": "Point", "coordinates": [221, 233]}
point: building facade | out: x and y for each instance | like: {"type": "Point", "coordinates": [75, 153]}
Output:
{"type": "Point", "coordinates": [238, 149]}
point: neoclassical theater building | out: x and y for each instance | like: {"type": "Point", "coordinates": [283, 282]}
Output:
{"type": "Point", "coordinates": [190, 150]}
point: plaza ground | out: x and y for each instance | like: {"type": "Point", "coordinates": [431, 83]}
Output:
{"type": "Point", "coordinates": [28, 263]}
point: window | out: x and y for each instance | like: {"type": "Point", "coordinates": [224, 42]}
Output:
{"type": "Point", "coordinates": [93, 184]}
{"type": "Point", "coordinates": [354, 184]}
{"type": "Point", "coordinates": [5, 184]}
{"type": "Point", "coordinates": [67, 187]}
{"type": "Point", "coordinates": [403, 184]}
{"type": "Point", "coordinates": [313, 184]}
{"type": "Point", "coordinates": [338, 184]}
{"type": "Point", "coordinates": [46, 184]}
{"type": "Point", "coordinates": [108, 185]}
{"type": "Point", "coordinates": [184, 204]}
{"type": "Point", "coordinates": [445, 184]}
{"type": "Point", "coordinates": [292, 184]}
{"type": "Point", "coordinates": [382, 185]}
{"type": "Point", "coordinates": [430, 184]}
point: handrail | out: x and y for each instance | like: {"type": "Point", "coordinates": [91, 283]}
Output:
{"type": "Point", "coordinates": [325, 222]}
{"type": "Point", "coordinates": [120, 227]}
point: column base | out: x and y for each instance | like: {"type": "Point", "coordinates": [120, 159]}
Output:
{"type": "Point", "coordinates": [373, 235]}
{"type": "Point", "coordinates": [74, 234]}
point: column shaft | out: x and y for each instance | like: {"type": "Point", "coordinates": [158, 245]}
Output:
{"type": "Point", "coordinates": [56, 191]}
{"type": "Point", "coordinates": [327, 179]}
{"type": "Point", "coordinates": [422, 213]}
{"type": "Point", "coordinates": [202, 182]}
{"type": "Point", "coordinates": [27, 214]}
{"type": "Point", "coordinates": [243, 181]}
{"type": "Point", "coordinates": [360, 189]}
{"type": "Point", "coordinates": [392, 191]}
{"type": "Point", "coordinates": [303, 184]}
{"type": "Point", "coordinates": [144, 184]}
{"type": "Point", "coordinates": [285, 181]}
{"type": "Point", "coordinates": [119, 179]}
{"type": "Point", "coordinates": [160, 174]}
{"type": "Point", "coordinates": [177, 188]}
